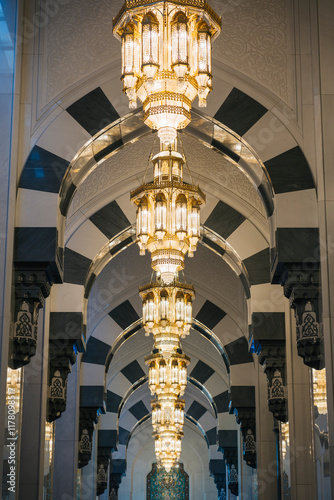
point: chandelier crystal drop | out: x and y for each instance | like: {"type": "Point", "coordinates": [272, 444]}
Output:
{"type": "Point", "coordinates": [168, 214]}
{"type": "Point", "coordinates": [166, 58]}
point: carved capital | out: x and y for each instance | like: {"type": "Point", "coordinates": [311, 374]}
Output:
{"type": "Point", "coordinates": [233, 479]}
{"type": "Point", "coordinates": [243, 406]}
{"type": "Point", "coordinates": [220, 481]}
{"type": "Point", "coordinates": [103, 459]}
{"type": "Point", "coordinates": [246, 418]}
{"type": "Point", "coordinates": [61, 357]}
{"type": "Point", "coordinates": [303, 292]}
{"type": "Point", "coordinates": [218, 472]}
{"type": "Point", "coordinates": [88, 419]}
{"type": "Point", "coordinates": [272, 358]}
{"type": "Point", "coordinates": [268, 341]}
{"type": "Point", "coordinates": [31, 289]}
{"type": "Point", "coordinates": [222, 494]}
{"type": "Point", "coordinates": [115, 480]}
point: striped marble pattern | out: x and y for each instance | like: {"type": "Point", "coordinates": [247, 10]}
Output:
{"type": "Point", "coordinates": [287, 190]}
{"type": "Point", "coordinates": [284, 160]}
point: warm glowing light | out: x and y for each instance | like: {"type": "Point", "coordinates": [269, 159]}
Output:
{"type": "Point", "coordinates": [167, 313]}
{"type": "Point", "coordinates": [168, 214]}
{"type": "Point", "coordinates": [320, 391]}
{"type": "Point", "coordinates": [167, 380]}
{"type": "Point", "coordinates": [166, 58]}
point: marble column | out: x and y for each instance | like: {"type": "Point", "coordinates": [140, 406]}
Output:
{"type": "Point", "coordinates": [89, 473]}
{"type": "Point", "coordinates": [245, 475]}
{"type": "Point", "coordinates": [66, 441]}
{"type": "Point", "coordinates": [9, 125]}
{"type": "Point", "coordinates": [35, 388]}
{"type": "Point", "coordinates": [265, 440]}
{"type": "Point", "coordinates": [300, 418]}
{"type": "Point", "coordinates": [322, 47]}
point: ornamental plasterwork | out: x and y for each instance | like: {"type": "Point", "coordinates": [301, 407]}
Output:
{"type": "Point", "coordinates": [220, 280]}
{"type": "Point", "coordinates": [254, 40]}
{"type": "Point", "coordinates": [221, 171]}
{"type": "Point", "coordinates": [79, 41]}
{"type": "Point", "coordinates": [127, 162]}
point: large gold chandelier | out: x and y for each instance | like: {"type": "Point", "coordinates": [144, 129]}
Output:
{"type": "Point", "coordinates": [166, 58]}
{"type": "Point", "coordinates": [167, 314]}
{"type": "Point", "coordinates": [167, 382]}
{"type": "Point", "coordinates": [166, 64]}
{"type": "Point", "coordinates": [168, 214]}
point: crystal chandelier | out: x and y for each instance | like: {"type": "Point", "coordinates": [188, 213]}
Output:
{"type": "Point", "coordinates": [168, 214]}
{"type": "Point", "coordinates": [167, 313]}
{"type": "Point", "coordinates": [166, 58]}
{"type": "Point", "coordinates": [319, 390]}
{"type": "Point", "coordinates": [167, 382]}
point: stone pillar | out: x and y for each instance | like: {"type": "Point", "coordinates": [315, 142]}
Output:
{"type": "Point", "coordinates": [66, 339]}
{"type": "Point", "coordinates": [89, 473]}
{"type": "Point", "coordinates": [245, 475]}
{"type": "Point", "coordinates": [243, 405]}
{"type": "Point", "coordinates": [300, 419]}
{"type": "Point", "coordinates": [66, 441]}
{"type": "Point", "coordinates": [228, 444]}
{"type": "Point", "coordinates": [106, 445]}
{"type": "Point", "coordinates": [37, 265]}
{"type": "Point", "coordinates": [117, 471]}
{"type": "Point", "coordinates": [297, 268]}
{"type": "Point", "coordinates": [31, 475]}
{"type": "Point", "coordinates": [266, 443]}
{"type": "Point", "coordinates": [88, 418]}
{"type": "Point", "coordinates": [322, 47]}
{"type": "Point", "coordinates": [268, 340]}
{"type": "Point", "coordinates": [9, 104]}
{"type": "Point", "coordinates": [32, 287]}
{"type": "Point", "coordinates": [218, 471]}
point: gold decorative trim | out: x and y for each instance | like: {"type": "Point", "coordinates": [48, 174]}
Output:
{"type": "Point", "coordinates": [199, 4]}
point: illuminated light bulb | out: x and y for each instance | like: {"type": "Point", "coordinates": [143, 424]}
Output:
{"type": "Point", "coordinates": [150, 46]}
{"type": "Point", "coordinates": [164, 306]}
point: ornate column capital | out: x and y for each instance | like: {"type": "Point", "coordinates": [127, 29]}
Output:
{"type": "Point", "coordinates": [218, 471]}
{"type": "Point", "coordinates": [106, 444]}
{"type": "Point", "coordinates": [295, 264]}
{"type": "Point", "coordinates": [303, 292]}
{"type": "Point", "coordinates": [233, 479]}
{"type": "Point", "coordinates": [103, 459]}
{"type": "Point", "coordinates": [88, 418]}
{"type": "Point", "coordinates": [61, 357]}
{"type": "Point", "coordinates": [228, 444]}
{"type": "Point", "coordinates": [38, 263]}
{"type": "Point", "coordinates": [242, 404]}
{"type": "Point", "coordinates": [268, 341]}
{"type": "Point", "coordinates": [65, 340]}
{"type": "Point", "coordinates": [32, 287]}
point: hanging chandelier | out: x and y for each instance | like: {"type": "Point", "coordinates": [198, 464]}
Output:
{"type": "Point", "coordinates": [166, 58]}
{"type": "Point", "coordinates": [167, 381]}
{"type": "Point", "coordinates": [167, 313]}
{"type": "Point", "coordinates": [168, 214]}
